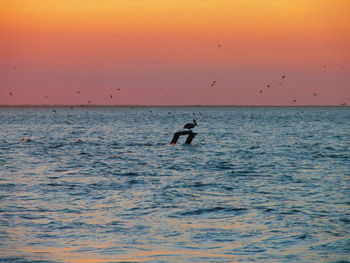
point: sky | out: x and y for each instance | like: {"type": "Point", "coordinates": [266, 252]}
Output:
{"type": "Point", "coordinates": [175, 52]}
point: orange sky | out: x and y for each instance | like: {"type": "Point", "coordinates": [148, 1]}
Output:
{"type": "Point", "coordinates": [167, 52]}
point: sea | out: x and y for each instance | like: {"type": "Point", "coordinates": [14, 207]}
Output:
{"type": "Point", "coordinates": [257, 184]}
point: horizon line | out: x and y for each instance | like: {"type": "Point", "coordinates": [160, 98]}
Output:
{"type": "Point", "coordinates": [148, 106]}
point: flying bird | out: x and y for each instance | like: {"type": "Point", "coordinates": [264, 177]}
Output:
{"type": "Point", "coordinates": [14, 67]}
{"type": "Point", "coordinates": [89, 102]}
{"type": "Point", "coordinates": [219, 45]}
{"type": "Point", "coordinates": [283, 76]}
{"type": "Point", "coordinates": [213, 83]}
{"type": "Point", "coordinates": [118, 89]}
{"type": "Point", "coordinates": [294, 101]}
{"type": "Point", "coordinates": [261, 91]}
{"type": "Point", "coordinates": [268, 86]}
{"type": "Point", "coordinates": [11, 94]}
{"type": "Point", "coordinates": [111, 96]}
{"type": "Point", "coordinates": [314, 93]}
{"type": "Point", "coordinates": [190, 125]}
{"type": "Point", "coordinates": [78, 92]}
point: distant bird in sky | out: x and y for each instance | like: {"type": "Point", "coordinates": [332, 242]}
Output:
{"type": "Point", "coordinates": [190, 125]}
{"type": "Point", "coordinates": [314, 93]}
{"type": "Point", "coordinates": [261, 91]}
{"type": "Point", "coordinates": [118, 89]}
{"type": "Point", "coordinates": [343, 104]}
{"type": "Point", "coordinates": [11, 94]}
{"type": "Point", "coordinates": [14, 67]}
{"type": "Point", "coordinates": [212, 83]}
{"type": "Point", "coordinates": [268, 86]}
{"type": "Point", "coordinates": [111, 96]}
{"type": "Point", "coordinates": [89, 102]}
{"type": "Point", "coordinates": [78, 92]}
{"type": "Point", "coordinates": [219, 45]}
{"type": "Point", "coordinates": [294, 101]}
{"type": "Point", "coordinates": [325, 66]}
{"type": "Point", "coordinates": [283, 76]}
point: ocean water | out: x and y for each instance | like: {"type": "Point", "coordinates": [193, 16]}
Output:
{"type": "Point", "coordinates": [258, 184]}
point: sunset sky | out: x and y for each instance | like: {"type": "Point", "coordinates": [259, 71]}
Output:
{"type": "Point", "coordinates": [169, 52]}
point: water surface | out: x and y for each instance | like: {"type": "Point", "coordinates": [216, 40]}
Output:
{"type": "Point", "coordinates": [258, 184]}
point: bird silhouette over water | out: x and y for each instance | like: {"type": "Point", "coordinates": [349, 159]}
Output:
{"type": "Point", "coordinates": [190, 125]}
{"type": "Point", "coordinates": [213, 83]}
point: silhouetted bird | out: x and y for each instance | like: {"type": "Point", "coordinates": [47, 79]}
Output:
{"type": "Point", "coordinates": [343, 104]}
{"type": "Point", "coordinates": [14, 67]}
{"type": "Point", "coordinates": [78, 92]}
{"type": "Point", "coordinates": [294, 101]}
{"type": "Point", "coordinates": [219, 45]}
{"type": "Point", "coordinates": [54, 111]}
{"type": "Point", "coordinates": [118, 89]}
{"type": "Point", "coordinates": [324, 66]}
{"type": "Point", "coordinates": [261, 91]}
{"type": "Point", "coordinates": [213, 83]}
{"type": "Point", "coordinates": [190, 125]}
{"type": "Point", "coordinates": [11, 94]}
{"type": "Point", "coordinates": [314, 93]}
{"type": "Point", "coordinates": [283, 76]}
{"type": "Point", "coordinates": [268, 86]}
{"type": "Point", "coordinates": [89, 102]}
{"type": "Point", "coordinates": [111, 96]}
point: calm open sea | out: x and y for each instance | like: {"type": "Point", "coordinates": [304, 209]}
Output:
{"type": "Point", "coordinates": [258, 184]}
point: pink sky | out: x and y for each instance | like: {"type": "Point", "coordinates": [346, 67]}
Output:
{"type": "Point", "coordinates": [167, 52]}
